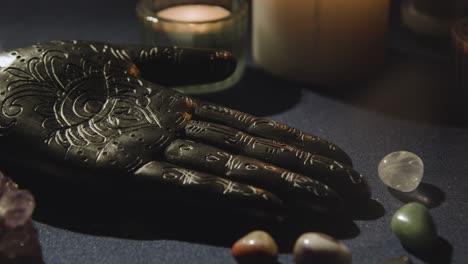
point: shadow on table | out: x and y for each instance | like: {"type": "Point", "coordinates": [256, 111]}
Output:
{"type": "Point", "coordinates": [126, 213]}
{"type": "Point", "coordinates": [368, 210]}
{"type": "Point", "coordinates": [426, 194]}
{"type": "Point", "coordinates": [413, 88]}
{"type": "Point", "coordinates": [440, 253]}
{"type": "Point", "coordinates": [258, 93]}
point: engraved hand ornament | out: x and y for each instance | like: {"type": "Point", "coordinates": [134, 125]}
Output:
{"type": "Point", "coordinates": [94, 111]}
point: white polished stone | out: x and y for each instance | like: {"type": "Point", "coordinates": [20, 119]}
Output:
{"type": "Point", "coordinates": [401, 170]}
{"type": "Point", "coordinates": [319, 248]}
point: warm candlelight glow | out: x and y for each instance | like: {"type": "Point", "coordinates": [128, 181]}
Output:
{"type": "Point", "coordinates": [189, 23]}
{"type": "Point", "coordinates": [194, 13]}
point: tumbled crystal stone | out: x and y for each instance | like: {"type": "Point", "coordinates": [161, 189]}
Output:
{"type": "Point", "coordinates": [401, 170]}
{"type": "Point", "coordinates": [400, 260]}
{"type": "Point", "coordinates": [18, 238]}
{"type": "Point", "coordinates": [319, 248]}
{"type": "Point", "coordinates": [257, 247]}
{"type": "Point", "coordinates": [413, 225]}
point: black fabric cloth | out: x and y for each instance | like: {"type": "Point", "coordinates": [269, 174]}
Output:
{"type": "Point", "coordinates": [411, 105]}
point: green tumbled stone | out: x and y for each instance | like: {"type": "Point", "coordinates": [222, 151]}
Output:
{"type": "Point", "coordinates": [414, 226]}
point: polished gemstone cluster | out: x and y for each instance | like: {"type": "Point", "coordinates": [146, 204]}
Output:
{"type": "Point", "coordinates": [18, 237]}
{"type": "Point", "coordinates": [258, 247]}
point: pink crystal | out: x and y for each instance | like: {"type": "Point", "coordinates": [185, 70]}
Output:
{"type": "Point", "coordinates": [6, 184]}
{"type": "Point", "coordinates": [18, 238]}
{"type": "Point", "coordinates": [16, 207]}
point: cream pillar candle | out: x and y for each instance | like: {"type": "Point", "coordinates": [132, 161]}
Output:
{"type": "Point", "coordinates": [320, 41]}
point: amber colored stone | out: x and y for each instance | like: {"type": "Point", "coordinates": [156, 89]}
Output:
{"type": "Point", "coordinates": [256, 247]}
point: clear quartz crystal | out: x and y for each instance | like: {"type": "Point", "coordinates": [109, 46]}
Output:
{"type": "Point", "coordinates": [401, 170]}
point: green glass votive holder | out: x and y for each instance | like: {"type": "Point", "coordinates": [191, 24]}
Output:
{"type": "Point", "coordinates": [214, 24]}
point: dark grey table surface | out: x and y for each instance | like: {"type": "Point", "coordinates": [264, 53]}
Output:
{"type": "Point", "coordinates": [411, 106]}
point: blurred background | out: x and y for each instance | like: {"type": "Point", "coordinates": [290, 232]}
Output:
{"type": "Point", "coordinates": [414, 84]}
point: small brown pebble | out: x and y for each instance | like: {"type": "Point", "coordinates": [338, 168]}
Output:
{"type": "Point", "coordinates": [256, 247]}
{"type": "Point", "coordinates": [400, 260]}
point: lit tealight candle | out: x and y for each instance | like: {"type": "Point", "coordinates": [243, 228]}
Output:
{"type": "Point", "coordinates": [194, 13]}
{"type": "Point", "coordinates": [191, 24]}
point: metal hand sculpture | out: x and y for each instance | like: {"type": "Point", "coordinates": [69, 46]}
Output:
{"type": "Point", "coordinates": [92, 111]}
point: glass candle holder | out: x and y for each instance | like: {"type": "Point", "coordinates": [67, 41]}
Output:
{"type": "Point", "coordinates": [214, 24]}
{"type": "Point", "coordinates": [432, 17]}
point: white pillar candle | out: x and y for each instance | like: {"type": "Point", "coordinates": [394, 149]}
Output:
{"type": "Point", "coordinates": [320, 41]}
{"type": "Point", "coordinates": [194, 13]}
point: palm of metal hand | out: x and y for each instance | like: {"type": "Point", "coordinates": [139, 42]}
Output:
{"type": "Point", "coordinates": [85, 105]}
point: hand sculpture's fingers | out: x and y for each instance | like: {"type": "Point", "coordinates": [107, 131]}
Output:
{"type": "Point", "coordinates": [209, 186]}
{"type": "Point", "coordinates": [271, 130]}
{"type": "Point", "coordinates": [289, 186]}
{"type": "Point", "coordinates": [174, 66]}
{"type": "Point", "coordinates": [346, 181]}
